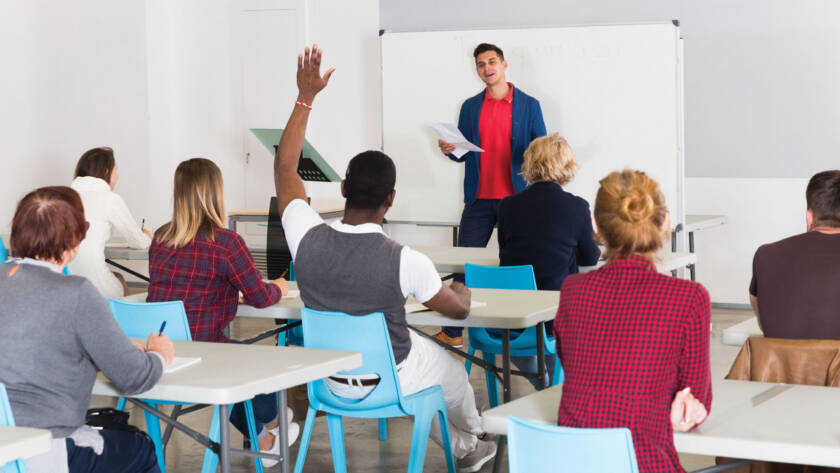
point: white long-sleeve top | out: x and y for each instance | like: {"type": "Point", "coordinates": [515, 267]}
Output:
{"type": "Point", "coordinates": [106, 211]}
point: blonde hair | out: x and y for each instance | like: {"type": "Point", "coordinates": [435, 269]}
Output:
{"type": "Point", "coordinates": [199, 203]}
{"type": "Point", "coordinates": [549, 158]}
{"type": "Point", "coordinates": [629, 212]}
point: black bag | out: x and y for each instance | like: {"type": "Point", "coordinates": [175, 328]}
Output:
{"type": "Point", "coordinates": [112, 419]}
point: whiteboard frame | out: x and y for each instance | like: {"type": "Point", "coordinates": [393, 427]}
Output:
{"type": "Point", "coordinates": [678, 209]}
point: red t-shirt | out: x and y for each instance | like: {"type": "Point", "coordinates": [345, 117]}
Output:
{"type": "Point", "coordinates": [495, 129]}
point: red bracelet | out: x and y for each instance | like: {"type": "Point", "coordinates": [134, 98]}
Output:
{"type": "Point", "coordinates": [303, 104]}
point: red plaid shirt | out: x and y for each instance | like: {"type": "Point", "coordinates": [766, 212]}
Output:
{"type": "Point", "coordinates": [208, 275]}
{"type": "Point", "coordinates": [629, 338]}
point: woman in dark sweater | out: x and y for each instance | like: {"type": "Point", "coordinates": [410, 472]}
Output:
{"type": "Point", "coordinates": [545, 226]}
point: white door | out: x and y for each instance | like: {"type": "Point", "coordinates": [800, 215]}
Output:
{"type": "Point", "coordinates": [269, 35]}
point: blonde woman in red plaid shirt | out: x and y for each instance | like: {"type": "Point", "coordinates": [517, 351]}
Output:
{"type": "Point", "coordinates": [195, 259]}
{"type": "Point", "coordinates": [634, 342]}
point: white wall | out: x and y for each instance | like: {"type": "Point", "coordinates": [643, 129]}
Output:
{"type": "Point", "coordinates": [158, 81]}
{"type": "Point", "coordinates": [74, 77]}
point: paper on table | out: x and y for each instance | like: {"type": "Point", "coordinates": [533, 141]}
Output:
{"type": "Point", "coordinates": [181, 362]}
{"type": "Point", "coordinates": [451, 134]}
{"type": "Point", "coordinates": [292, 294]}
{"type": "Point", "coordinates": [415, 307]}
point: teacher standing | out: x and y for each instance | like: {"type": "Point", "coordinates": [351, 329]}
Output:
{"type": "Point", "coordinates": [502, 120]}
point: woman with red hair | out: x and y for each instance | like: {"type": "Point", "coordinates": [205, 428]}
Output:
{"type": "Point", "coordinates": [57, 333]}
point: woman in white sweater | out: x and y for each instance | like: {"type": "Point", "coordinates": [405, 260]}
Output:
{"type": "Point", "coordinates": [94, 179]}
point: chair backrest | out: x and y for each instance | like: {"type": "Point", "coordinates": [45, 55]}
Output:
{"type": "Point", "coordinates": [788, 360]}
{"type": "Point", "coordinates": [139, 319]}
{"type": "Point", "coordinates": [537, 448]}
{"type": "Point", "coordinates": [292, 271]}
{"type": "Point", "coordinates": [6, 417]}
{"type": "Point", "coordinates": [367, 334]}
{"type": "Point", "coordinates": [277, 254]}
{"type": "Point", "coordinates": [500, 277]}
{"type": "Point", "coordinates": [3, 255]}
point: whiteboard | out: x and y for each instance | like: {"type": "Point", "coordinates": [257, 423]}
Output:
{"type": "Point", "coordinates": [614, 92]}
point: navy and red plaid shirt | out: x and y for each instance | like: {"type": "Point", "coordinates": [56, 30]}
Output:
{"type": "Point", "coordinates": [208, 275]}
{"type": "Point", "coordinates": [629, 338]}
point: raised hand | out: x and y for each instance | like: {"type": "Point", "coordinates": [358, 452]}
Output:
{"type": "Point", "coordinates": [309, 79]}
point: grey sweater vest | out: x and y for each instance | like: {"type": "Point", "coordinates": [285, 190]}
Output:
{"type": "Point", "coordinates": [356, 274]}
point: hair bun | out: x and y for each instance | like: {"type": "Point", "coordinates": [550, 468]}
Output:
{"type": "Point", "coordinates": [636, 206]}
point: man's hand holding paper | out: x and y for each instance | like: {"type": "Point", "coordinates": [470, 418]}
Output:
{"type": "Point", "coordinates": [451, 141]}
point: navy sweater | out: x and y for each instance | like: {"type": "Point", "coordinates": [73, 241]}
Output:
{"type": "Point", "coordinates": [548, 228]}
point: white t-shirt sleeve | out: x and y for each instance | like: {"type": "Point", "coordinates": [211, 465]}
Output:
{"type": "Point", "coordinates": [298, 218]}
{"type": "Point", "coordinates": [120, 217]}
{"type": "Point", "coordinates": [418, 276]}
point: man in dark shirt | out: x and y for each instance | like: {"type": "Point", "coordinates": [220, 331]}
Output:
{"type": "Point", "coordinates": [795, 288]}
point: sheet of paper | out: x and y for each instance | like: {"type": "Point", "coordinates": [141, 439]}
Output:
{"type": "Point", "coordinates": [181, 362]}
{"type": "Point", "coordinates": [451, 134]}
{"type": "Point", "coordinates": [414, 307]}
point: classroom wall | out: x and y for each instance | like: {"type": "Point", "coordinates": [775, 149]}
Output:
{"type": "Point", "coordinates": [159, 82]}
{"type": "Point", "coordinates": [761, 105]}
{"type": "Point", "coordinates": [74, 77]}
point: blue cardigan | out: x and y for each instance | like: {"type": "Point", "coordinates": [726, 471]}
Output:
{"type": "Point", "coordinates": [527, 124]}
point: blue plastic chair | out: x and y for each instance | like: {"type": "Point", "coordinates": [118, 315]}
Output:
{"type": "Point", "coordinates": [295, 334]}
{"type": "Point", "coordinates": [489, 342]}
{"type": "Point", "coordinates": [3, 255]}
{"type": "Point", "coordinates": [138, 320]}
{"type": "Point", "coordinates": [535, 448]}
{"type": "Point", "coordinates": [7, 419]}
{"type": "Point", "coordinates": [368, 334]}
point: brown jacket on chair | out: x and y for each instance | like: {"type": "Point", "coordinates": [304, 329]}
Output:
{"type": "Point", "coordinates": [792, 361]}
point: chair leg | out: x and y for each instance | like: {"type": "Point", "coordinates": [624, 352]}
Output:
{"type": "Point", "coordinates": [468, 363]}
{"type": "Point", "coordinates": [252, 433]}
{"type": "Point", "coordinates": [558, 376]}
{"type": "Point", "coordinates": [153, 429]}
{"type": "Point", "coordinates": [337, 442]}
{"type": "Point", "coordinates": [447, 441]}
{"type": "Point", "coordinates": [383, 429]}
{"type": "Point", "coordinates": [211, 460]}
{"type": "Point", "coordinates": [419, 440]}
{"type": "Point", "coordinates": [304, 439]}
{"type": "Point", "coordinates": [492, 385]}
{"type": "Point", "coordinates": [121, 404]}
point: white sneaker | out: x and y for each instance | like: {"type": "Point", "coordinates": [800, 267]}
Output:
{"type": "Point", "coordinates": [484, 451]}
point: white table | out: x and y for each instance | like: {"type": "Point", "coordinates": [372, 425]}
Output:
{"type": "Point", "coordinates": [754, 421]}
{"type": "Point", "coordinates": [326, 208]}
{"type": "Point", "coordinates": [737, 334]}
{"type": "Point", "coordinates": [20, 443]}
{"type": "Point", "coordinates": [230, 373]}
{"type": "Point", "coordinates": [694, 223]}
{"type": "Point", "coordinates": [448, 259]}
{"type": "Point", "coordinates": [505, 309]}
{"type": "Point", "coordinates": [454, 224]}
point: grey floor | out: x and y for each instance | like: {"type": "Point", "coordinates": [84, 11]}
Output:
{"type": "Point", "coordinates": [365, 453]}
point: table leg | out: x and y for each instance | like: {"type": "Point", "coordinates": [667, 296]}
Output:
{"type": "Point", "coordinates": [283, 419]}
{"type": "Point", "coordinates": [500, 454]}
{"type": "Point", "coordinates": [541, 355]}
{"type": "Point", "coordinates": [455, 235]}
{"type": "Point", "coordinates": [506, 365]}
{"type": "Point", "coordinates": [232, 223]}
{"type": "Point", "coordinates": [691, 250]}
{"type": "Point", "coordinates": [224, 437]}
{"type": "Point", "coordinates": [673, 242]}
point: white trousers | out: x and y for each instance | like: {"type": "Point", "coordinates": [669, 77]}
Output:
{"type": "Point", "coordinates": [427, 364]}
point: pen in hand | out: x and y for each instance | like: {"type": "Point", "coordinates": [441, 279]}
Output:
{"type": "Point", "coordinates": [162, 326]}
{"type": "Point", "coordinates": [143, 224]}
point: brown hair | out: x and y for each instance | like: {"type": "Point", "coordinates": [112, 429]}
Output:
{"type": "Point", "coordinates": [96, 162]}
{"type": "Point", "coordinates": [629, 212]}
{"type": "Point", "coordinates": [549, 158]}
{"type": "Point", "coordinates": [823, 198]}
{"type": "Point", "coordinates": [47, 222]}
{"type": "Point", "coordinates": [199, 203]}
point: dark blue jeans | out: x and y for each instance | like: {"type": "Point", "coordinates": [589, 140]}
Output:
{"type": "Point", "coordinates": [265, 412]}
{"type": "Point", "coordinates": [477, 222]}
{"type": "Point", "coordinates": [126, 452]}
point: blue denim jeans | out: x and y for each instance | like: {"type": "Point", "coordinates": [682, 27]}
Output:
{"type": "Point", "coordinates": [477, 223]}
{"type": "Point", "coordinates": [126, 452]}
{"type": "Point", "coordinates": [265, 412]}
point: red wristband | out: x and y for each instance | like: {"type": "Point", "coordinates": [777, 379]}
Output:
{"type": "Point", "coordinates": [303, 104]}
